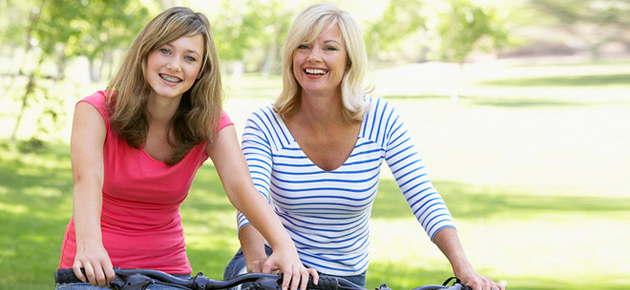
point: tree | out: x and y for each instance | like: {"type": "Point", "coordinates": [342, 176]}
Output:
{"type": "Point", "coordinates": [462, 26]}
{"type": "Point", "coordinates": [58, 30]}
{"type": "Point", "coordinates": [251, 27]}
{"type": "Point", "coordinates": [594, 22]}
{"type": "Point", "coordinates": [400, 18]}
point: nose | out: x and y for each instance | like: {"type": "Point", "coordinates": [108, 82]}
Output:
{"type": "Point", "coordinates": [174, 65]}
{"type": "Point", "coordinates": [314, 56]}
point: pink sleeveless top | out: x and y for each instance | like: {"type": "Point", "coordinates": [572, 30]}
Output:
{"type": "Point", "coordinates": [140, 220]}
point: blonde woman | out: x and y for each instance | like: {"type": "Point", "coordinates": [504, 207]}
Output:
{"type": "Point", "coordinates": [316, 153]}
{"type": "Point", "coordinates": [136, 148]}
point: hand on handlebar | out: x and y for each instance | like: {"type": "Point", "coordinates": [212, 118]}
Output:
{"type": "Point", "coordinates": [479, 282]}
{"type": "Point", "coordinates": [96, 265]}
{"type": "Point", "coordinates": [288, 263]}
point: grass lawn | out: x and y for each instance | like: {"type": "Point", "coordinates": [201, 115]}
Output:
{"type": "Point", "coordinates": [532, 162]}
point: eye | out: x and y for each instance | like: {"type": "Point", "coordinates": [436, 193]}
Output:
{"type": "Point", "coordinates": [302, 46]}
{"type": "Point", "coordinates": [190, 58]}
{"type": "Point", "coordinates": [165, 51]}
{"type": "Point", "coordinates": [331, 48]}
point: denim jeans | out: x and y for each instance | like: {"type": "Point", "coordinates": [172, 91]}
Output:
{"type": "Point", "coordinates": [237, 266]}
{"type": "Point", "coordinates": [87, 286]}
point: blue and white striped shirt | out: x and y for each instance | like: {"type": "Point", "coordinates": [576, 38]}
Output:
{"type": "Point", "coordinates": [327, 212]}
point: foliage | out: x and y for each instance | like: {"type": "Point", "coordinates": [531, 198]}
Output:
{"type": "Point", "coordinates": [594, 22]}
{"type": "Point", "coordinates": [57, 30]}
{"type": "Point", "coordinates": [461, 26]}
{"type": "Point", "coordinates": [91, 28]}
{"type": "Point", "coordinates": [247, 28]}
{"type": "Point", "coordinates": [400, 18]}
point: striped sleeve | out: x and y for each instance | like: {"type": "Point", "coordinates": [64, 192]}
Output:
{"type": "Point", "coordinates": [257, 150]}
{"type": "Point", "coordinates": [408, 170]}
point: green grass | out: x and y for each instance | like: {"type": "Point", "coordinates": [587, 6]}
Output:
{"type": "Point", "coordinates": [563, 81]}
{"type": "Point", "coordinates": [534, 172]}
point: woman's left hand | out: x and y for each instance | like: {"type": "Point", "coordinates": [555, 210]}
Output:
{"type": "Point", "coordinates": [478, 282]}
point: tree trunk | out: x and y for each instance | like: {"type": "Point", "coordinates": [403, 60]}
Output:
{"type": "Point", "coordinates": [95, 74]}
{"type": "Point", "coordinates": [33, 19]}
{"type": "Point", "coordinates": [30, 88]}
{"type": "Point", "coordinates": [237, 72]}
{"type": "Point", "coordinates": [271, 54]}
{"type": "Point", "coordinates": [457, 82]}
{"type": "Point", "coordinates": [110, 63]}
{"type": "Point", "coordinates": [61, 66]}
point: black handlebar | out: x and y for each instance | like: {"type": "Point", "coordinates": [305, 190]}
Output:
{"type": "Point", "coordinates": [139, 279]}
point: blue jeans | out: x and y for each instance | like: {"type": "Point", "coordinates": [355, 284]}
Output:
{"type": "Point", "coordinates": [87, 286]}
{"type": "Point", "coordinates": [237, 266]}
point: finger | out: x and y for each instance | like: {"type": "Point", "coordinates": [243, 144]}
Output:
{"type": "Point", "coordinates": [110, 275]}
{"type": "Point", "coordinates": [286, 279]}
{"type": "Point", "coordinates": [99, 275]}
{"type": "Point", "coordinates": [89, 273]}
{"type": "Point", "coordinates": [314, 274]}
{"type": "Point", "coordinates": [76, 268]}
{"type": "Point", "coordinates": [304, 278]}
{"type": "Point", "coordinates": [498, 286]}
{"type": "Point", "coordinates": [295, 281]}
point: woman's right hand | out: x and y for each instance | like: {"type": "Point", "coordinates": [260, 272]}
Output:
{"type": "Point", "coordinates": [96, 264]}
{"type": "Point", "coordinates": [286, 261]}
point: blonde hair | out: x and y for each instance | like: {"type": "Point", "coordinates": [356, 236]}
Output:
{"type": "Point", "coordinates": [200, 107]}
{"type": "Point", "coordinates": [308, 25]}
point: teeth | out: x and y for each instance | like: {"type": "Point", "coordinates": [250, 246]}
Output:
{"type": "Point", "coordinates": [170, 79]}
{"type": "Point", "coordinates": [312, 71]}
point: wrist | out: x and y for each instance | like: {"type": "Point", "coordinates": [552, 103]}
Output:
{"type": "Point", "coordinates": [462, 270]}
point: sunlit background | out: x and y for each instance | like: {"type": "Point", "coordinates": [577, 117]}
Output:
{"type": "Point", "coordinates": [520, 110]}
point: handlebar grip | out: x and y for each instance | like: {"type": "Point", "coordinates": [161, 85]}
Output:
{"type": "Point", "coordinates": [66, 276]}
{"type": "Point", "coordinates": [324, 283]}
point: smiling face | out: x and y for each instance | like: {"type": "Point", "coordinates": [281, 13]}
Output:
{"type": "Point", "coordinates": [173, 67]}
{"type": "Point", "coordinates": [319, 66]}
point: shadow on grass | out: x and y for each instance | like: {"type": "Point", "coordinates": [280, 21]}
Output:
{"type": "Point", "coordinates": [520, 102]}
{"type": "Point", "coordinates": [564, 81]}
{"type": "Point", "coordinates": [466, 201]}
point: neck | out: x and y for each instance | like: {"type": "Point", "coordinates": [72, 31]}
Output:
{"type": "Point", "coordinates": [162, 110]}
{"type": "Point", "coordinates": [321, 111]}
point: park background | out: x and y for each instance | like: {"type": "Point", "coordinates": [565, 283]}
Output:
{"type": "Point", "coordinates": [520, 110]}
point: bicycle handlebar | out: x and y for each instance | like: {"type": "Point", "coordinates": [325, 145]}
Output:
{"type": "Point", "coordinates": [139, 279]}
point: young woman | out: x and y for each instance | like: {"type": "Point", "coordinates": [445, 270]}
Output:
{"type": "Point", "coordinates": [317, 153]}
{"type": "Point", "coordinates": [136, 148]}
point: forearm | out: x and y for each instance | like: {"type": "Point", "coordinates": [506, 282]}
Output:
{"type": "Point", "coordinates": [264, 222]}
{"type": "Point", "coordinates": [86, 211]}
{"type": "Point", "coordinates": [448, 242]}
{"type": "Point", "coordinates": [253, 247]}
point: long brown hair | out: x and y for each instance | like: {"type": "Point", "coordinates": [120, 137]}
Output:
{"type": "Point", "coordinates": [200, 107]}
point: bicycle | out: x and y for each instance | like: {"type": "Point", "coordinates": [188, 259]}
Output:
{"type": "Point", "coordinates": [140, 279]}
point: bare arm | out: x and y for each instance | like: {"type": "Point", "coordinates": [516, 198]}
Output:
{"type": "Point", "coordinates": [448, 242]}
{"type": "Point", "coordinates": [86, 147]}
{"type": "Point", "coordinates": [234, 174]}
{"type": "Point", "coordinates": [253, 247]}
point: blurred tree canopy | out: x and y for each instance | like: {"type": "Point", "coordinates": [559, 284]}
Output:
{"type": "Point", "coordinates": [55, 30]}
{"type": "Point", "coordinates": [595, 22]}
{"type": "Point", "coordinates": [248, 33]}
